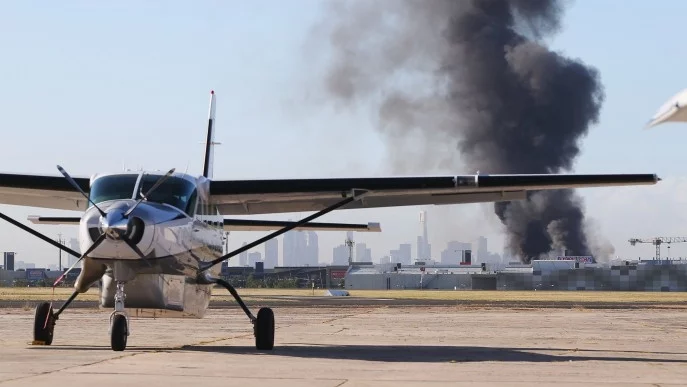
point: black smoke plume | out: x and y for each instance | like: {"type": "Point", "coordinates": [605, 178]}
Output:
{"type": "Point", "coordinates": [476, 77]}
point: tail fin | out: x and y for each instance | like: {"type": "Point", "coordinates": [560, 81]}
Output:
{"type": "Point", "coordinates": [210, 139]}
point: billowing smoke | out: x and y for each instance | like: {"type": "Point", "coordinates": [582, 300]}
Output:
{"type": "Point", "coordinates": [476, 78]}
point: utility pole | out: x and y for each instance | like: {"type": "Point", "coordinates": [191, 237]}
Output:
{"type": "Point", "coordinates": [350, 244]}
{"type": "Point", "coordinates": [59, 240]}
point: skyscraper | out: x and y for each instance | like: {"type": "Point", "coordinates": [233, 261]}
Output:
{"type": "Point", "coordinates": [253, 257]}
{"type": "Point", "coordinates": [340, 255]}
{"type": "Point", "coordinates": [424, 251]}
{"type": "Point", "coordinates": [243, 257]}
{"type": "Point", "coordinates": [363, 253]}
{"type": "Point", "coordinates": [312, 250]}
{"type": "Point", "coordinates": [8, 260]}
{"type": "Point", "coordinates": [74, 245]}
{"type": "Point", "coordinates": [271, 253]}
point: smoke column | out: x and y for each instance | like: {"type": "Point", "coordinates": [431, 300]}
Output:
{"type": "Point", "coordinates": [477, 78]}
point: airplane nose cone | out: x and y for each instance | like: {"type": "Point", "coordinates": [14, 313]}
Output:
{"type": "Point", "coordinates": [113, 224]}
{"type": "Point", "coordinates": [116, 227]}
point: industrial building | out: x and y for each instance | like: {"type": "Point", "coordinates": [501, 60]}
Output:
{"type": "Point", "coordinates": [562, 274]}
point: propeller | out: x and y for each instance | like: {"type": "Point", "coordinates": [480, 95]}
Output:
{"type": "Point", "coordinates": [93, 246]}
{"type": "Point", "coordinates": [73, 183]}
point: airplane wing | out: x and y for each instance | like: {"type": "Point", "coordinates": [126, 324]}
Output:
{"type": "Point", "coordinates": [42, 191]}
{"type": "Point", "coordinates": [248, 197]}
{"type": "Point", "coordinates": [269, 225]}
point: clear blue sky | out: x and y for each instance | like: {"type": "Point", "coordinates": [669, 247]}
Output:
{"type": "Point", "coordinates": [94, 86]}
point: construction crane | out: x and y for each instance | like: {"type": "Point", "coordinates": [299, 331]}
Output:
{"type": "Point", "coordinates": [658, 241]}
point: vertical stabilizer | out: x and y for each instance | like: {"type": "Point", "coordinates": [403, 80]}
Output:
{"type": "Point", "coordinates": [210, 139]}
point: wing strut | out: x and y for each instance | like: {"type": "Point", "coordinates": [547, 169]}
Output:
{"type": "Point", "coordinates": [355, 195]}
{"type": "Point", "coordinates": [263, 324]}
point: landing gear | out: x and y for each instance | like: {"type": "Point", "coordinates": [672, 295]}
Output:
{"type": "Point", "coordinates": [43, 324]}
{"type": "Point", "coordinates": [119, 332]}
{"type": "Point", "coordinates": [44, 321]}
{"type": "Point", "coordinates": [263, 329]}
{"type": "Point", "coordinates": [263, 325]}
{"type": "Point", "coordinates": [119, 322]}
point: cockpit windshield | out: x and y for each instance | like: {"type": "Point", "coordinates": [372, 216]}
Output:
{"type": "Point", "coordinates": [174, 191]}
{"type": "Point", "coordinates": [113, 187]}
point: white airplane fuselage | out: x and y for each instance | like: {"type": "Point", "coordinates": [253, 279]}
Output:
{"type": "Point", "coordinates": [176, 230]}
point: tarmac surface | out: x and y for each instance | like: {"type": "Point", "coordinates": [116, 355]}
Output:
{"type": "Point", "coordinates": [369, 345]}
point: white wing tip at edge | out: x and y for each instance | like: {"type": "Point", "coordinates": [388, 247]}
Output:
{"type": "Point", "coordinates": [374, 227]}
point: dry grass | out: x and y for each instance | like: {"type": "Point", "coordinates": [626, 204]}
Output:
{"type": "Point", "coordinates": [446, 295]}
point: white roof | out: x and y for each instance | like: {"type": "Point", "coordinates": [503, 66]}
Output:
{"type": "Point", "coordinates": [674, 110]}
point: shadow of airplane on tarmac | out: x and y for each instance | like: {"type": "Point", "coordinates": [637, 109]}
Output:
{"type": "Point", "coordinates": [414, 353]}
{"type": "Point", "coordinates": [438, 354]}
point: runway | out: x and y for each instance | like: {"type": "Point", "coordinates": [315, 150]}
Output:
{"type": "Point", "coordinates": [373, 345]}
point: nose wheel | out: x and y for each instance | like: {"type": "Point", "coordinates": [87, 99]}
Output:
{"type": "Point", "coordinates": [119, 323]}
{"type": "Point", "coordinates": [119, 332]}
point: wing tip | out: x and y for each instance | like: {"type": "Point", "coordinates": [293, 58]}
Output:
{"type": "Point", "coordinates": [374, 227]}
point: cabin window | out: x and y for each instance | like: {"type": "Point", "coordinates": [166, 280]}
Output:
{"type": "Point", "coordinates": [114, 187]}
{"type": "Point", "coordinates": [174, 191]}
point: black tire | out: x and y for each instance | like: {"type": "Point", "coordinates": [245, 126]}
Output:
{"type": "Point", "coordinates": [119, 333]}
{"type": "Point", "coordinates": [264, 329]}
{"type": "Point", "coordinates": [43, 324]}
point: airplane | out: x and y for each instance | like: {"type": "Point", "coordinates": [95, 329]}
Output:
{"type": "Point", "coordinates": [161, 234]}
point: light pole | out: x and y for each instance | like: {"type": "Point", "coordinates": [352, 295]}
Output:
{"type": "Point", "coordinates": [59, 240]}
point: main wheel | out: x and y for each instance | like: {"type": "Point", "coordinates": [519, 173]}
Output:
{"type": "Point", "coordinates": [43, 324]}
{"type": "Point", "coordinates": [264, 329]}
{"type": "Point", "coordinates": [119, 333]}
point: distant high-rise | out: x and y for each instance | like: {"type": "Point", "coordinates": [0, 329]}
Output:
{"type": "Point", "coordinates": [288, 249]}
{"type": "Point", "coordinates": [482, 251]}
{"type": "Point", "coordinates": [254, 257]}
{"type": "Point", "coordinates": [404, 251]}
{"type": "Point", "coordinates": [311, 254]}
{"type": "Point", "coordinates": [74, 245]}
{"type": "Point", "coordinates": [340, 255]}
{"type": "Point", "coordinates": [243, 257]}
{"type": "Point", "coordinates": [424, 250]}
{"type": "Point", "coordinates": [363, 253]}
{"type": "Point", "coordinates": [8, 260]}
{"type": "Point", "coordinates": [453, 254]}
{"type": "Point", "coordinates": [271, 253]}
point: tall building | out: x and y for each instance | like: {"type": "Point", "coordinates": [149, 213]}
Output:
{"type": "Point", "coordinates": [363, 253]}
{"type": "Point", "coordinates": [243, 257]}
{"type": "Point", "coordinates": [74, 245]}
{"type": "Point", "coordinates": [8, 260]}
{"type": "Point", "coordinates": [254, 257]}
{"type": "Point", "coordinates": [340, 255]}
{"type": "Point", "coordinates": [482, 251]}
{"type": "Point", "coordinates": [405, 253]}
{"type": "Point", "coordinates": [311, 254]}
{"type": "Point", "coordinates": [453, 254]}
{"type": "Point", "coordinates": [424, 249]}
{"type": "Point", "coordinates": [271, 253]}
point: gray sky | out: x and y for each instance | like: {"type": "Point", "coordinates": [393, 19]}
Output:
{"type": "Point", "coordinates": [94, 86]}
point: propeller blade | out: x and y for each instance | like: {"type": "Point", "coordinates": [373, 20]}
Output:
{"type": "Point", "coordinates": [93, 246]}
{"type": "Point", "coordinates": [137, 251]}
{"type": "Point", "coordinates": [73, 183]}
{"type": "Point", "coordinates": [153, 188]}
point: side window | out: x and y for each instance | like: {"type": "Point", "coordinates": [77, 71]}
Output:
{"type": "Point", "coordinates": [191, 205]}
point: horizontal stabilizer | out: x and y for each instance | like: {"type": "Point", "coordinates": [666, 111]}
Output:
{"type": "Point", "coordinates": [73, 220]}
{"type": "Point", "coordinates": [268, 225]}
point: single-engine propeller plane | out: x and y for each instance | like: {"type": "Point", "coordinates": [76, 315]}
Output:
{"type": "Point", "coordinates": [160, 235]}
